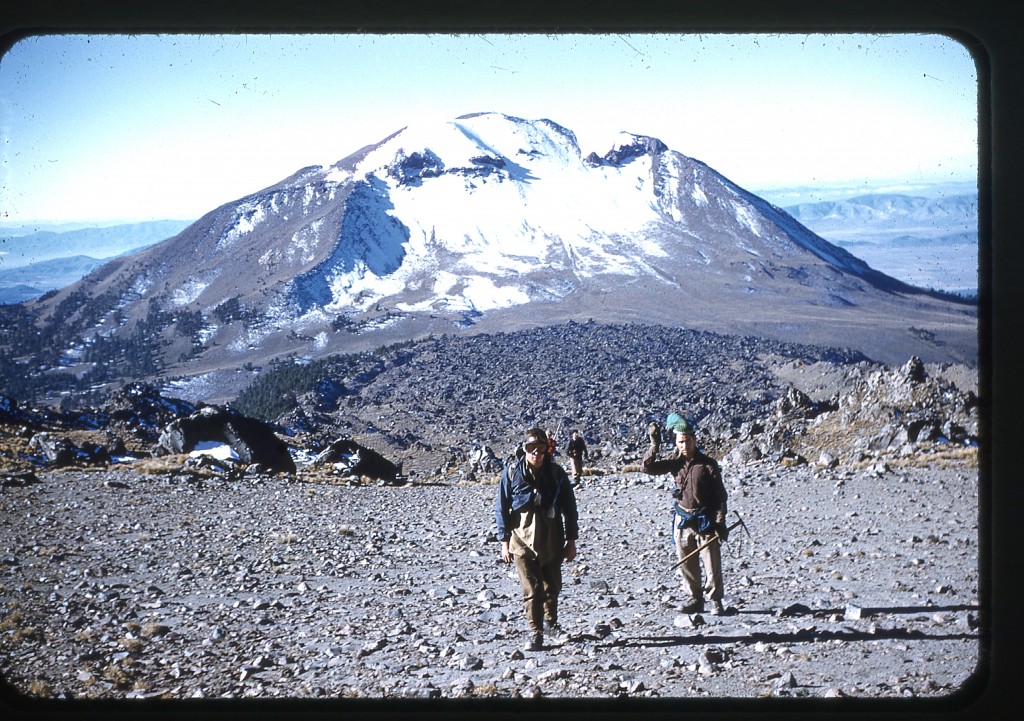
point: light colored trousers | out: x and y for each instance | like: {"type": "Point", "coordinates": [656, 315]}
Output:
{"type": "Point", "coordinates": [687, 541]}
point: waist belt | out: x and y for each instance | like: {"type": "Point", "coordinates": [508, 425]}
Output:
{"type": "Point", "coordinates": [696, 518]}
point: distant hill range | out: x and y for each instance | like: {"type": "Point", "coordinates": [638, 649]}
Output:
{"type": "Point", "coordinates": [483, 223]}
{"type": "Point", "coordinates": [33, 262]}
{"type": "Point", "coordinates": [888, 213]}
{"type": "Point", "coordinates": [928, 242]}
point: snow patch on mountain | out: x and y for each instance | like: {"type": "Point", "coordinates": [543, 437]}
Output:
{"type": "Point", "coordinates": [467, 294]}
{"type": "Point", "coordinates": [248, 215]}
{"type": "Point", "coordinates": [190, 291]}
{"type": "Point", "coordinates": [697, 193]}
{"type": "Point", "coordinates": [746, 216]}
{"type": "Point", "coordinates": [249, 338]}
{"type": "Point", "coordinates": [138, 289]}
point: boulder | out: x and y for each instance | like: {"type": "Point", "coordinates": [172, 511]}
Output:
{"type": "Point", "coordinates": [358, 460]}
{"type": "Point", "coordinates": [913, 371]}
{"type": "Point", "coordinates": [142, 406]}
{"type": "Point", "coordinates": [56, 450]}
{"type": "Point", "coordinates": [483, 459]}
{"type": "Point", "coordinates": [744, 453]}
{"type": "Point", "coordinates": [61, 452]}
{"type": "Point", "coordinates": [252, 440]}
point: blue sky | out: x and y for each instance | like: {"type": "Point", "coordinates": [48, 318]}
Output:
{"type": "Point", "coordinates": [124, 128]}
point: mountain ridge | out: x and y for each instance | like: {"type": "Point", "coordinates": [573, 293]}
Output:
{"type": "Point", "coordinates": [484, 222]}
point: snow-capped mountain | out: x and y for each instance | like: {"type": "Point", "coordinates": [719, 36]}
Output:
{"type": "Point", "coordinates": [483, 221]}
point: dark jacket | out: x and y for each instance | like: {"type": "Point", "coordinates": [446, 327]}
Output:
{"type": "Point", "coordinates": [698, 482]}
{"type": "Point", "coordinates": [576, 448]}
{"type": "Point", "coordinates": [516, 493]}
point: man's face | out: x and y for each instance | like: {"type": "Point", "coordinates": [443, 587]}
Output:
{"type": "Point", "coordinates": [687, 444]}
{"type": "Point", "coordinates": [535, 451]}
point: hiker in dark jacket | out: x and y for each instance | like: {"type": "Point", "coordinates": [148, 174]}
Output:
{"type": "Point", "coordinates": [577, 450]}
{"type": "Point", "coordinates": [699, 510]}
{"type": "Point", "coordinates": [538, 526]}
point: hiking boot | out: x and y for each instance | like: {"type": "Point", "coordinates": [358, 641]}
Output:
{"type": "Point", "coordinates": [695, 606]}
{"type": "Point", "coordinates": [555, 632]}
{"type": "Point", "coordinates": [536, 642]}
{"type": "Point", "coordinates": [717, 609]}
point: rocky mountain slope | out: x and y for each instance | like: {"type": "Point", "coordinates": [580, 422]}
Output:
{"type": "Point", "coordinates": [426, 403]}
{"type": "Point", "coordinates": [429, 406]}
{"type": "Point", "coordinates": [481, 224]}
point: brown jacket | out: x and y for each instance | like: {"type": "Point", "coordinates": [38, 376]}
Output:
{"type": "Point", "coordinates": [699, 481]}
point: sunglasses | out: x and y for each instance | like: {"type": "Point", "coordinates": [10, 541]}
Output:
{"type": "Point", "coordinates": [536, 447]}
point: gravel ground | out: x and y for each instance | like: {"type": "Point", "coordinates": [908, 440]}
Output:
{"type": "Point", "coordinates": [855, 583]}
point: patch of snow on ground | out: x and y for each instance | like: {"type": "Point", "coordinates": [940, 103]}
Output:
{"type": "Point", "coordinates": [748, 249]}
{"type": "Point", "coordinates": [469, 293]}
{"type": "Point", "coordinates": [745, 216]}
{"type": "Point", "coordinates": [360, 288]}
{"type": "Point", "coordinates": [483, 294]}
{"type": "Point", "coordinates": [138, 289]}
{"type": "Point", "coordinates": [186, 388]}
{"type": "Point", "coordinates": [698, 195]}
{"type": "Point", "coordinates": [214, 449]}
{"type": "Point", "coordinates": [337, 177]}
{"type": "Point", "coordinates": [247, 217]}
{"type": "Point", "coordinates": [650, 247]}
{"type": "Point", "coordinates": [250, 338]}
{"type": "Point", "coordinates": [72, 355]}
{"type": "Point", "coordinates": [207, 333]}
{"type": "Point", "coordinates": [188, 292]}
{"type": "Point", "coordinates": [304, 242]}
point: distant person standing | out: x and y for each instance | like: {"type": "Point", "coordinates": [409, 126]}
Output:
{"type": "Point", "coordinates": [577, 450]}
{"type": "Point", "coordinates": [538, 526]}
{"type": "Point", "coordinates": [699, 510]}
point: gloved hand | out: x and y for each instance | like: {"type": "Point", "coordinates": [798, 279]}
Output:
{"type": "Point", "coordinates": [654, 433]}
{"type": "Point", "coordinates": [723, 532]}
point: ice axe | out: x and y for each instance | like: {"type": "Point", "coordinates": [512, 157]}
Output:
{"type": "Point", "coordinates": [714, 539]}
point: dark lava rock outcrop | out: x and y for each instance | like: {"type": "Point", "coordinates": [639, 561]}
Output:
{"type": "Point", "coordinates": [253, 441]}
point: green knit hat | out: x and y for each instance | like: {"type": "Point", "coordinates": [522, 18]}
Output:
{"type": "Point", "coordinates": [677, 424]}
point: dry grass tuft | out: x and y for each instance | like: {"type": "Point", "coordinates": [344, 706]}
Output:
{"type": "Point", "coordinates": [159, 465]}
{"type": "Point", "coordinates": [284, 537]}
{"type": "Point", "coordinates": [133, 645]}
{"type": "Point", "coordinates": [40, 688]}
{"type": "Point", "coordinates": [12, 621]}
{"type": "Point", "coordinates": [153, 630]}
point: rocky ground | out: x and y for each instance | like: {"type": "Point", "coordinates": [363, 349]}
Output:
{"type": "Point", "coordinates": [129, 569]}
{"type": "Point", "coordinates": [854, 582]}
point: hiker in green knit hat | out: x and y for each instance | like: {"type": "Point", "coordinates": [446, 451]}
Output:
{"type": "Point", "coordinates": [699, 510]}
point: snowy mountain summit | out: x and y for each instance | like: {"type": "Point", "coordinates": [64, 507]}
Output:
{"type": "Point", "coordinates": [486, 222]}
{"type": "Point", "coordinates": [489, 211]}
